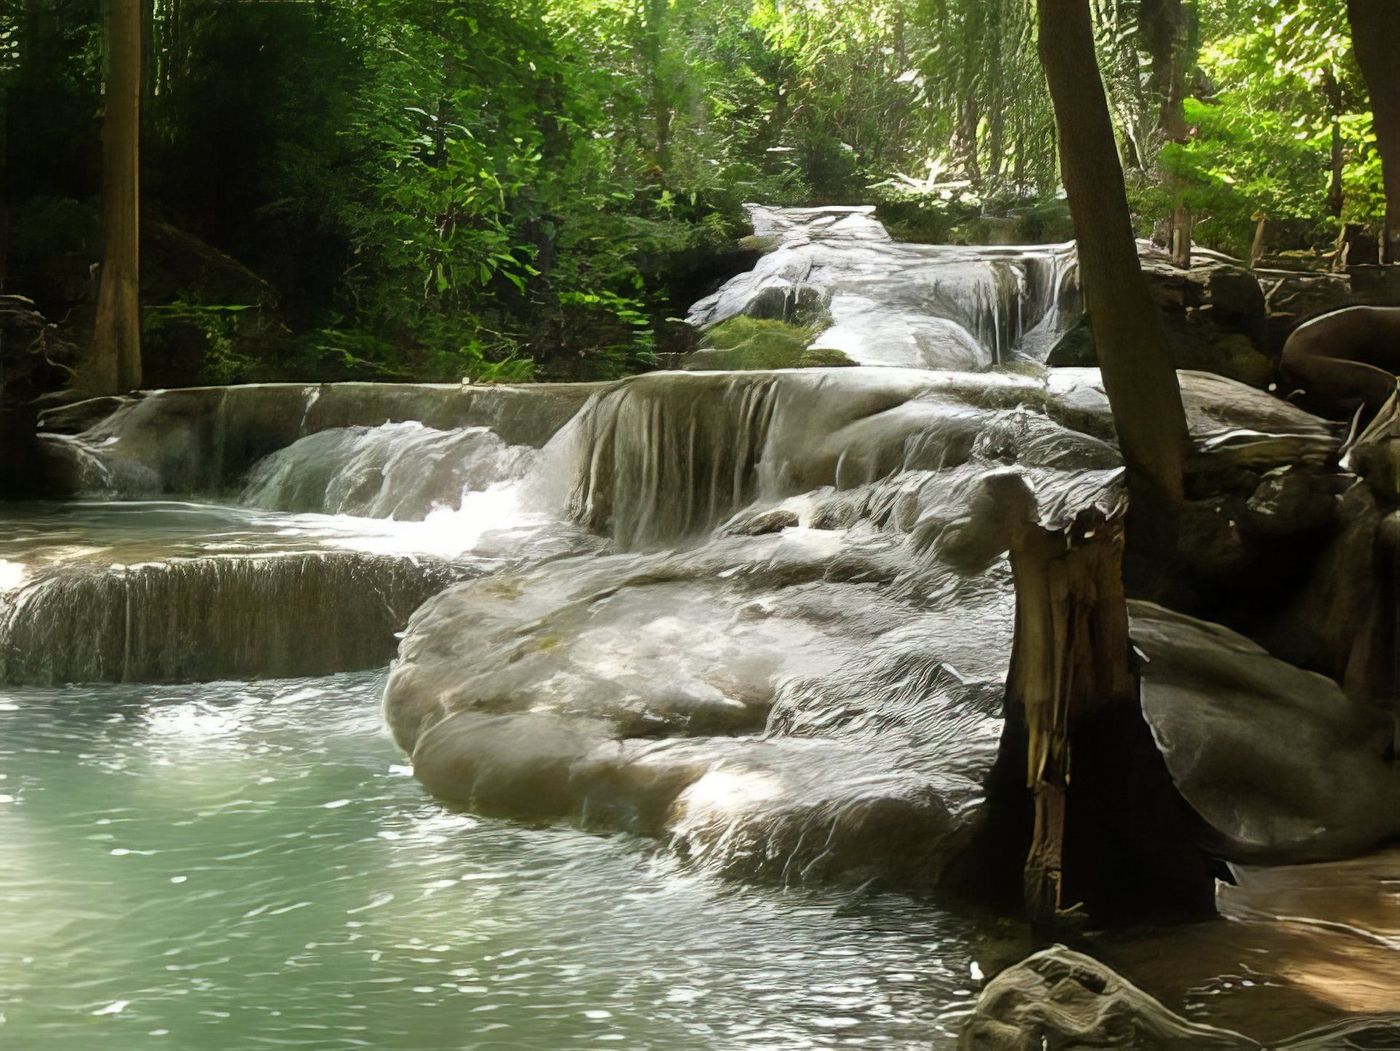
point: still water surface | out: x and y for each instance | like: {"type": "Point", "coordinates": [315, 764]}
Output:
{"type": "Point", "coordinates": [245, 865]}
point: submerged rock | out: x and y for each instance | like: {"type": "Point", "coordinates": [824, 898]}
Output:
{"type": "Point", "coordinates": [1061, 1000]}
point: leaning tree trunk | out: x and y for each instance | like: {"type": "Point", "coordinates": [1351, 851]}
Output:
{"type": "Point", "coordinates": [1375, 36]}
{"type": "Point", "coordinates": [1137, 372]}
{"type": "Point", "coordinates": [115, 361]}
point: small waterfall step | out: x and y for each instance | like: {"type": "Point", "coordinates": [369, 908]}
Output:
{"type": "Point", "coordinates": [183, 592]}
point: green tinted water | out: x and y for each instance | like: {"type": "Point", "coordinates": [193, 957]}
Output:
{"type": "Point", "coordinates": [245, 865]}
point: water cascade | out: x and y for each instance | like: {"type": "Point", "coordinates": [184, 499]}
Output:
{"type": "Point", "coordinates": [217, 617]}
{"type": "Point", "coordinates": [883, 302]}
{"type": "Point", "coordinates": [761, 618]}
{"type": "Point", "coordinates": [805, 575]}
{"type": "Point", "coordinates": [402, 471]}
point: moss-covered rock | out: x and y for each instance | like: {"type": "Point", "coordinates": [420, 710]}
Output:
{"type": "Point", "coordinates": [748, 343]}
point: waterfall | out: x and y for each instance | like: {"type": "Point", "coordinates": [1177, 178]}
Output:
{"type": "Point", "coordinates": [894, 304]}
{"type": "Point", "coordinates": [203, 440]}
{"type": "Point", "coordinates": [660, 458]}
{"type": "Point", "coordinates": [402, 471]}
{"type": "Point", "coordinates": [215, 617]}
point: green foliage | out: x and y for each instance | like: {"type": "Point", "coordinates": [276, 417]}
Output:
{"type": "Point", "coordinates": [503, 189]}
{"type": "Point", "coordinates": [208, 330]}
{"type": "Point", "coordinates": [1279, 82]}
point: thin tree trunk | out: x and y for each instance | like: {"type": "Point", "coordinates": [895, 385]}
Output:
{"type": "Point", "coordinates": [1256, 249]}
{"type": "Point", "coordinates": [1138, 376]}
{"type": "Point", "coordinates": [1375, 35]}
{"type": "Point", "coordinates": [1333, 92]}
{"type": "Point", "coordinates": [1167, 29]}
{"type": "Point", "coordinates": [967, 140]}
{"type": "Point", "coordinates": [115, 362]}
{"type": "Point", "coordinates": [655, 16]}
{"type": "Point", "coordinates": [1182, 225]}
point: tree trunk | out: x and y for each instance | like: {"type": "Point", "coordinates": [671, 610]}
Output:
{"type": "Point", "coordinates": [1168, 31]}
{"type": "Point", "coordinates": [1070, 657]}
{"type": "Point", "coordinates": [1375, 36]}
{"type": "Point", "coordinates": [967, 140]}
{"type": "Point", "coordinates": [1256, 248]}
{"type": "Point", "coordinates": [1081, 810]}
{"type": "Point", "coordinates": [1333, 91]}
{"type": "Point", "coordinates": [1182, 225]}
{"type": "Point", "coordinates": [654, 32]}
{"type": "Point", "coordinates": [1138, 376]}
{"type": "Point", "coordinates": [115, 362]}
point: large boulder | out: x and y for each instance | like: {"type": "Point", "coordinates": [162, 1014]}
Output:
{"type": "Point", "coordinates": [1279, 761]}
{"type": "Point", "coordinates": [1192, 343]}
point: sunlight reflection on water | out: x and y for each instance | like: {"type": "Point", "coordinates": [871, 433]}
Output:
{"type": "Point", "coordinates": [237, 865]}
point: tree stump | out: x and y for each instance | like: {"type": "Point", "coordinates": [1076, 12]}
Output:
{"type": "Point", "coordinates": [1082, 819]}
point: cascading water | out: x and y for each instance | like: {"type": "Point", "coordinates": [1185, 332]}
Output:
{"type": "Point", "coordinates": [380, 519]}
{"type": "Point", "coordinates": [402, 471]}
{"type": "Point", "coordinates": [762, 618]}
{"type": "Point", "coordinates": [806, 576]}
{"type": "Point", "coordinates": [888, 303]}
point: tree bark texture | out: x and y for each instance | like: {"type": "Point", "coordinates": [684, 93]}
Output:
{"type": "Point", "coordinates": [1375, 34]}
{"type": "Point", "coordinates": [1138, 376]}
{"type": "Point", "coordinates": [1082, 818]}
{"type": "Point", "coordinates": [115, 361]}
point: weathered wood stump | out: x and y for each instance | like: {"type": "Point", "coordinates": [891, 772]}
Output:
{"type": "Point", "coordinates": [1082, 818]}
{"type": "Point", "coordinates": [1068, 661]}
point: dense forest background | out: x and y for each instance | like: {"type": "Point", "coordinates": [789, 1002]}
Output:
{"type": "Point", "coordinates": [510, 189]}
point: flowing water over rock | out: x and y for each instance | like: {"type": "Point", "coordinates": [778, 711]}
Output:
{"type": "Point", "coordinates": [890, 303]}
{"type": "Point", "coordinates": [762, 619]}
{"type": "Point", "coordinates": [396, 470]}
{"type": "Point", "coordinates": [248, 865]}
{"type": "Point", "coordinates": [791, 664]}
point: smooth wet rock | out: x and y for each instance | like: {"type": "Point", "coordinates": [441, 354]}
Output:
{"type": "Point", "coordinates": [222, 616]}
{"type": "Point", "coordinates": [1191, 344]}
{"type": "Point", "coordinates": [1279, 761]}
{"type": "Point", "coordinates": [1230, 424]}
{"type": "Point", "coordinates": [1288, 501]}
{"type": "Point", "coordinates": [808, 557]}
{"type": "Point", "coordinates": [1062, 1000]}
{"type": "Point", "coordinates": [1375, 1033]}
{"type": "Point", "coordinates": [1342, 621]}
{"type": "Point", "coordinates": [772, 520]}
{"type": "Point", "coordinates": [1210, 540]}
{"type": "Point", "coordinates": [202, 440]}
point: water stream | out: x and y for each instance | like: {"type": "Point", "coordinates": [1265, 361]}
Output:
{"type": "Point", "coordinates": [241, 865]}
{"type": "Point", "coordinates": [704, 672]}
